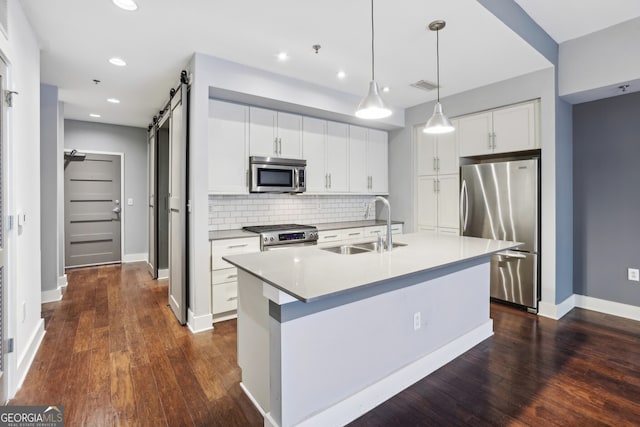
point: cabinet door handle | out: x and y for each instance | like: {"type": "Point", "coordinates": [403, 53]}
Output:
{"type": "Point", "coordinates": [280, 146]}
{"type": "Point", "coordinates": [435, 188]}
{"type": "Point", "coordinates": [438, 185]}
{"type": "Point", "coordinates": [354, 234]}
{"type": "Point", "coordinates": [333, 236]}
{"type": "Point", "coordinates": [246, 178]}
{"type": "Point", "coordinates": [489, 140]}
{"type": "Point", "coordinates": [232, 276]}
{"type": "Point", "coordinates": [494, 140]}
{"type": "Point", "coordinates": [438, 162]}
{"type": "Point", "coordinates": [329, 180]}
{"type": "Point", "coordinates": [275, 145]}
{"type": "Point", "coordinates": [232, 298]}
{"type": "Point", "coordinates": [435, 164]}
{"type": "Point", "coordinates": [237, 246]}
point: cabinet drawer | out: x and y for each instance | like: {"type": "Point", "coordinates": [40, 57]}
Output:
{"type": "Point", "coordinates": [352, 233]}
{"type": "Point", "coordinates": [224, 276]}
{"type": "Point", "coordinates": [329, 236]}
{"type": "Point", "coordinates": [220, 248]}
{"type": "Point", "coordinates": [224, 297]}
{"type": "Point", "coordinates": [397, 229]}
{"type": "Point", "coordinates": [375, 231]}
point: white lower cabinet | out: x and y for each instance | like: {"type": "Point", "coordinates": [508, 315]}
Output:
{"type": "Point", "coordinates": [224, 276]}
{"type": "Point", "coordinates": [347, 235]}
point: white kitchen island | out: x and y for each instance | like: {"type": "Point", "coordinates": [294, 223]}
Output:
{"type": "Point", "coordinates": [325, 337]}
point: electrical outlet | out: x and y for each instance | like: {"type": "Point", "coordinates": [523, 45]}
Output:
{"type": "Point", "coordinates": [416, 321]}
{"type": "Point", "coordinates": [130, 202]}
{"type": "Point", "coordinates": [633, 274]}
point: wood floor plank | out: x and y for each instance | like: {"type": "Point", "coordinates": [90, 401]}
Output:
{"type": "Point", "coordinates": [113, 354]}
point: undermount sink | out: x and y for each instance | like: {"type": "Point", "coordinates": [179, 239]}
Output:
{"type": "Point", "coordinates": [373, 246]}
{"type": "Point", "coordinates": [357, 248]}
{"type": "Point", "coordinates": [346, 249]}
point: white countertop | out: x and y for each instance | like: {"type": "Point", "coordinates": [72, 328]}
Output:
{"type": "Point", "coordinates": [309, 273]}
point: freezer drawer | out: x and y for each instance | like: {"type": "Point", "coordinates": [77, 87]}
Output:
{"type": "Point", "coordinates": [514, 278]}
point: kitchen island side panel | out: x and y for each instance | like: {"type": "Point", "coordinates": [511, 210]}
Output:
{"type": "Point", "coordinates": [329, 356]}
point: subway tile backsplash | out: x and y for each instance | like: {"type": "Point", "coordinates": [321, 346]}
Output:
{"type": "Point", "coordinates": [233, 212]}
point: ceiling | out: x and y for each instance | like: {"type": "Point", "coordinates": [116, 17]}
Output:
{"type": "Point", "coordinates": [569, 19]}
{"type": "Point", "coordinates": [159, 38]}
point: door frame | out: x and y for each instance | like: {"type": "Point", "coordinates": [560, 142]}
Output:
{"type": "Point", "coordinates": [122, 212]}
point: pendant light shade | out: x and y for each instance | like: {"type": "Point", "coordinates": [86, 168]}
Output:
{"type": "Point", "coordinates": [438, 123]}
{"type": "Point", "coordinates": [372, 106]}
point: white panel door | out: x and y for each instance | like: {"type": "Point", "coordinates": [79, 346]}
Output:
{"type": "Point", "coordinates": [378, 161]}
{"type": "Point", "coordinates": [178, 205]}
{"type": "Point", "coordinates": [358, 178]}
{"type": "Point", "coordinates": [474, 134]}
{"type": "Point", "coordinates": [425, 153]}
{"type": "Point", "coordinates": [514, 128]}
{"type": "Point", "coordinates": [338, 157]}
{"type": "Point", "coordinates": [262, 132]}
{"type": "Point", "coordinates": [448, 201]}
{"type": "Point", "coordinates": [447, 151]}
{"type": "Point", "coordinates": [427, 202]}
{"type": "Point", "coordinates": [228, 146]}
{"type": "Point", "coordinates": [152, 263]}
{"type": "Point", "coordinates": [289, 136]}
{"type": "Point", "coordinates": [313, 148]}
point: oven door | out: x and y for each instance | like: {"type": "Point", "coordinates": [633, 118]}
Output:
{"type": "Point", "coordinates": [273, 178]}
{"type": "Point", "coordinates": [288, 246]}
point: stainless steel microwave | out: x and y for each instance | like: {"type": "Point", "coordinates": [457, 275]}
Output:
{"type": "Point", "coordinates": [274, 175]}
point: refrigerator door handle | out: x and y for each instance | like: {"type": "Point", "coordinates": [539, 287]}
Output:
{"type": "Point", "coordinates": [464, 207]}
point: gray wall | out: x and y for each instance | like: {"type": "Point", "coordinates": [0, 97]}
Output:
{"type": "Point", "coordinates": [606, 197]}
{"type": "Point", "coordinates": [48, 186]}
{"type": "Point", "coordinates": [133, 143]}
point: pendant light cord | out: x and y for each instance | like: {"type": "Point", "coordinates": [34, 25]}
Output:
{"type": "Point", "coordinates": [438, 61]}
{"type": "Point", "coordinates": [373, 57]}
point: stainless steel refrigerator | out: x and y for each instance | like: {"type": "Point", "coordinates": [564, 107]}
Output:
{"type": "Point", "coordinates": [500, 201]}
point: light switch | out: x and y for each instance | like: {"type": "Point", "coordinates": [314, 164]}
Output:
{"type": "Point", "coordinates": [22, 218]}
{"type": "Point", "coordinates": [130, 202]}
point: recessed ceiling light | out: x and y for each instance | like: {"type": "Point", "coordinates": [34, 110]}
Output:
{"type": "Point", "coordinates": [129, 5]}
{"type": "Point", "coordinates": [113, 100]}
{"type": "Point", "coordinates": [385, 89]}
{"type": "Point", "coordinates": [282, 56]}
{"type": "Point", "coordinates": [94, 115]}
{"type": "Point", "coordinates": [341, 74]}
{"type": "Point", "coordinates": [118, 61]}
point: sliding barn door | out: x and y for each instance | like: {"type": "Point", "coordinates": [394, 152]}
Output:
{"type": "Point", "coordinates": [153, 195]}
{"type": "Point", "coordinates": [3, 239]}
{"type": "Point", "coordinates": [178, 205]}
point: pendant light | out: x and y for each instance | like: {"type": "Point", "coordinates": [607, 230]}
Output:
{"type": "Point", "coordinates": [438, 123]}
{"type": "Point", "coordinates": [372, 106]}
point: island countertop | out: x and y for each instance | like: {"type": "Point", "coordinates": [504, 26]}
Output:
{"type": "Point", "coordinates": [310, 273]}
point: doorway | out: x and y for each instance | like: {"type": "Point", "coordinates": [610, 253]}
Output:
{"type": "Point", "coordinates": [92, 209]}
{"type": "Point", "coordinates": [163, 198]}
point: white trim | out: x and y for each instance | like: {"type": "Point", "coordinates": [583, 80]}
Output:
{"type": "Point", "coordinates": [163, 274]}
{"type": "Point", "coordinates": [359, 403]}
{"type": "Point", "coordinates": [51, 296]}
{"type": "Point", "coordinates": [253, 400]}
{"type": "Point", "coordinates": [62, 281]}
{"type": "Point", "coordinates": [556, 311]}
{"type": "Point", "coordinates": [134, 258]}
{"type": "Point", "coordinates": [232, 315]}
{"type": "Point", "coordinates": [609, 307]}
{"type": "Point", "coordinates": [198, 324]}
{"type": "Point", "coordinates": [31, 348]}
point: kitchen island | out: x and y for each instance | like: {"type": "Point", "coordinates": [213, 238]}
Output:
{"type": "Point", "coordinates": [325, 337]}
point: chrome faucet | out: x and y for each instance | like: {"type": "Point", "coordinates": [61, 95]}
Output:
{"type": "Point", "coordinates": [389, 241]}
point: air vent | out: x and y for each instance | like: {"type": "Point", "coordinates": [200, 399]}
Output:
{"type": "Point", "coordinates": [424, 85]}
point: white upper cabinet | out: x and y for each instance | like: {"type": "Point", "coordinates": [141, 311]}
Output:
{"type": "Point", "coordinates": [378, 162]}
{"type": "Point", "coordinates": [437, 154]}
{"type": "Point", "coordinates": [338, 157]}
{"type": "Point", "coordinates": [503, 130]}
{"type": "Point", "coordinates": [274, 133]}
{"type": "Point", "coordinates": [314, 139]}
{"type": "Point", "coordinates": [358, 178]}
{"type": "Point", "coordinates": [368, 161]}
{"type": "Point", "coordinates": [228, 148]}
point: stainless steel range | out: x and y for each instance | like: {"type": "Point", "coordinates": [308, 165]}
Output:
{"type": "Point", "coordinates": [284, 235]}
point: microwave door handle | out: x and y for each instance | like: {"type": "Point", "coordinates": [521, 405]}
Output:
{"type": "Point", "coordinates": [296, 179]}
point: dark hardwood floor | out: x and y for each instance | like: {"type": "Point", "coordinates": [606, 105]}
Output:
{"type": "Point", "coordinates": [114, 355]}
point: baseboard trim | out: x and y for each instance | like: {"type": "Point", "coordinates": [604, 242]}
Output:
{"type": "Point", "coordinates": [29, 355]}
{"type": "Point", "coordinates": [627, 311]}
{"type": "Point", "coordinates": [253, 400]}
{"type": "Point", "coordinates": [62, 281]}
{"type": "Point", "coordinates": [51, 296]}
{"type": "Point", "coordinates": [363, 401]}
{"type": "Point", "coordinates": [198, 324]}
{"type": "Point", "coordinates": [556, 311]}
{"type": "Point", "coordinates": [134, 258]}
{"type": "Point", "coordinates": [163, 274]}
